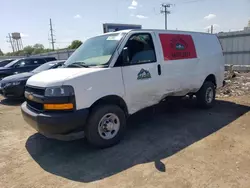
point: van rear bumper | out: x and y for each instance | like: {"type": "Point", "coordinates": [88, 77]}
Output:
{"type": "Point", "coordinates": [58, 125]}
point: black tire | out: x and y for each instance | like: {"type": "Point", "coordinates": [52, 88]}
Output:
{"type": "Point", "coordinates": [92, 133]}
{"type": "Point", "coordinates": [202, 95]}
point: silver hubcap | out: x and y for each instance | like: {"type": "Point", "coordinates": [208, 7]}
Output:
{"type": "Point", "coordinates": [209, 95]}
{"type": "Point", "coordinates": [109, 126]}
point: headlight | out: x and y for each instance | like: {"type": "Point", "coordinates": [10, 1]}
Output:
{"type": "Point", "coordinates": [15, 83]}
{"type": "Point", "coordinates": [59, 91]}
{"type": "Point", "coordinates": [12, 83]}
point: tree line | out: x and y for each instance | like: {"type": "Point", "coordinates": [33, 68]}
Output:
{"type": "Point", "coordinates": [38, 49]}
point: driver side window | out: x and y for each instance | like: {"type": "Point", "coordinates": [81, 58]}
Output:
{"type": "Point", "coordinates": [21, 63]}
{"type": "Point", "coordinates": [140, 49]}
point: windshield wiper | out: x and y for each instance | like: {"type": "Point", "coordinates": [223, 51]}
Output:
{"type": "Point", "coordinates": [78, 64]}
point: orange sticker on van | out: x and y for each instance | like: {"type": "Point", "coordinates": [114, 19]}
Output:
{"type": "Point", "coordinates": [177, 46]}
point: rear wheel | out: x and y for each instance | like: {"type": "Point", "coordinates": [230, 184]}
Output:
{"type": "Point", "coordinates": [206, 95]}
{"type": "Point", "coordinates": [106, 126]}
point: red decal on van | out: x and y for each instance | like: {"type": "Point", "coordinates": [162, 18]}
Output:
{"type": "Point", "coordinates": [177, 46]}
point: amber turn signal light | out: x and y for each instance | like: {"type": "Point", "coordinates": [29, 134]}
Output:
{"type": "Point", "coordinates": [67, 106]}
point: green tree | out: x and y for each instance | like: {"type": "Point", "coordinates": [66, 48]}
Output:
{"type": "Point", "coordinates": [8, 54]}
{"type": "Point", "coordinates": [28, 50]}
{"type": "Point", "coordinates": [38, 46]}
{"type": "Point", "coordinates": [1, 53]}
{"type": "Point", "coordinates": [38, 49]}
{"type": "Point", "coordinates": [75, 44]}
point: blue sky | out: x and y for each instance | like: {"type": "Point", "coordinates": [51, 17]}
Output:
{"type": "Point", "coordinates": [81, 19]}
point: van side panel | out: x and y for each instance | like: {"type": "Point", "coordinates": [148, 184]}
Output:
{"type": "Point", "coordinates": [211, 59]}
{"type": "Point", "coordinates": [186, 73]}
{"type": "Point", "coordinates": [178, 61]}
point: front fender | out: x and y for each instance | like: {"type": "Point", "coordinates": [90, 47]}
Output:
{"type": "Point", "coordinates": [91, 87]}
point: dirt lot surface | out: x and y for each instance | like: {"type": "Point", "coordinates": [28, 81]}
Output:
{"type": "Point", "coordinates": [237, 84]}
{"type": "Point", "coordinates": [178, 147]}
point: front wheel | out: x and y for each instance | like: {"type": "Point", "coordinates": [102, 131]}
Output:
{"type": "Point", "coordinates": [206, 95]}
{"type": "Point", "coordinates": [106, 126]}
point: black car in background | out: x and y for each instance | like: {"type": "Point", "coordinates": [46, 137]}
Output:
{"type": "Point", "coordinates": [13, 86]}
{"type": "Point", "coordinates": [5, 62]}
{"type": "Point", "coordinates": [23, 65]}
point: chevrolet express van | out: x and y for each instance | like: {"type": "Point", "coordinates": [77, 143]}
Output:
{"type": "Point", "coordinates": [114, 75]}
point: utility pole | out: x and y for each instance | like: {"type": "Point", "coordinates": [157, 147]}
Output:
{"type": "Point", "coordinates": [10, 41]}
{"type": "Point", "coordinates": [51, 35]}
{"type": "Point", "coordinates": [166, 12]}
{"type": "Point", "coordinates": [212, 29]}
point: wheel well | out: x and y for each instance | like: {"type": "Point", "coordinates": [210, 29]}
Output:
{"type": "Point", "coordinates": [112, 99]}
{"type": "Point", "coordinates": [211, 78]}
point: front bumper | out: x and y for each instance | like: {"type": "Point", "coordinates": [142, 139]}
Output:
{"type": "Point", "coordinates": [58, 125]}
{"type": "Point", "coordinates": [13, 91]}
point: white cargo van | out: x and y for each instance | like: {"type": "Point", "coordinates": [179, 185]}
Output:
{"type": "Point", "coordinates": [114, 75]}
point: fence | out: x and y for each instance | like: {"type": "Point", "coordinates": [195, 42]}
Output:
{"type": "Point", "coordinates": [236, 47]}
{"type": "Point", "coordinates": [10, 57]}
{"type": "Point", "coordinates": [60, 55]}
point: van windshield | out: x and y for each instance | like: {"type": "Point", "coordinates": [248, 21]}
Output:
{"type": "Point", "coordinates": [95, 51]}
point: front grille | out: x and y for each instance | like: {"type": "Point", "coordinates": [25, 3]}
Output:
{"type": "Point", "coordinates": [34, 105]}
{"type": "Point", "coordinates": [34, 90]}
{"type": "Point", "coordinates": [2, 85]}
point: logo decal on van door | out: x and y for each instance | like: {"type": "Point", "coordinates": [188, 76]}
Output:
{"type": "Point", "coordinates": [180, 46]}
{"type": "Point", "coordinates": [177, 46]}
{"type": "Point", "coordinates": [143, 74]}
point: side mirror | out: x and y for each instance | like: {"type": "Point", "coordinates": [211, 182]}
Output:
{"type": "Point", "coordinates": [16, 65]}
{"type": "Point", "coordinates": [125, 56]}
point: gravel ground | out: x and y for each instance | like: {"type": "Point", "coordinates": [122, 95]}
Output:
{"type": "Point", "coordinates": [237, 84]}
{"type": "Point", "coordinates": [177, 147]}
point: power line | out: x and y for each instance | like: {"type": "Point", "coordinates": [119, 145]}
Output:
{"type": "Point", "coordinates": [166, 12]}
{"type": "Point", "coordinates": [52, 40]}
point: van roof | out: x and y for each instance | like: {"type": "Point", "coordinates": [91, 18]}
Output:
{"type": "Point", "coordinates": [158, 30]}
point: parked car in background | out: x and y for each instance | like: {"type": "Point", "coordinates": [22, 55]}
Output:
{"type": "Point", "coordinates": [13, 86]}
{"type": "Point", "coordinates": [5, 62]}
{"type": "Point", "coordinates": [23, 65]}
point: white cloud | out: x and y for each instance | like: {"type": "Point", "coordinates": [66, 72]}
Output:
{"type": "Point", "coordinates": [134, 3]}
{"type": "Point", "coordinates": [141, 16]}
{"type": "Point", "coordinates": [23, 35]}
{"type": "Point", "coordinates": [78, 16]}
{"type": "Point", "coordinates": [131, 7]}
{"type": "Point", "coordinates": [210, 17]}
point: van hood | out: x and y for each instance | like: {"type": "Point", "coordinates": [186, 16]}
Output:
{"type": "Point", "coordinates": [56, 77]}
